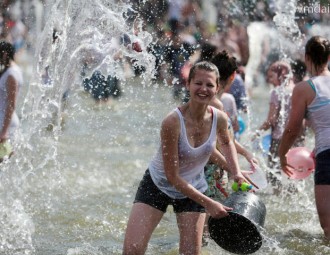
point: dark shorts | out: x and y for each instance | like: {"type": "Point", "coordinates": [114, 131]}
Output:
{"type": "Point", "coordinates": [148, 193]}
{"type": "Point", "coordinates": [322, 168]}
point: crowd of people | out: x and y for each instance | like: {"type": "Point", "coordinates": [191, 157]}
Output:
{"type": "Point", "coordinates": [204, 62]}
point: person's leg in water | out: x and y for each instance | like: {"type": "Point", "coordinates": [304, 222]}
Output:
{"type": "Point", "coordinates": [190, 219]}
{"type": "Point", "coordinates": [190, 226]}
{"type": "Point", "coordinates": [322, 190]}
{"type": "Point", "coordinates": [148, 209]}
{"type": "Point", "coordinates": [141, 224]}
{"type": "Point", "coordinates": [322, 199]}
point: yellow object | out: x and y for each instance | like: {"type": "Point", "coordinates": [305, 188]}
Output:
{"type": "Point", "coordinates": [5, 149]}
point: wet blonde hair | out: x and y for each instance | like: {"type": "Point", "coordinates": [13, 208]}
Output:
{"type": "Point", "coordinates": [204, 65]}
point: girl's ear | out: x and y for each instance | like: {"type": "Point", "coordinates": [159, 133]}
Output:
{"type": "Point", "coordinates": [229, 81]}
{"type": "Point", "coordinates": [218, 89]}
{"type": "Point", "coordinates": [232, 77]}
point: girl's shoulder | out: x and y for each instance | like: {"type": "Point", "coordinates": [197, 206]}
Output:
{"type": "Point", "coordinates": [14, 68]}
{"type": "Point", "coordinates": [16, 72]}
{"type": "Point", "coordinates": [304, 91]}
{"type": "Point", "coordinates": [216, 103]}
{"type": "Point", "coordinates": [303, 87]}
{"type": "Point", "coordinates": [172, 119]}
{"type": "Point", "coordinates": [221, 115]}
{"type": "Point", "coordinates": [322, 79]}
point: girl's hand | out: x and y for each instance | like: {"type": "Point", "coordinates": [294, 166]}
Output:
{"type": "Point", "coordinates": [255, 135]}
{"type": "Point", "coordinates": [239, 178]}
{"type": "Point", "coordinates": [246, 178]}
{"type": "Point", "coordinates": [252, 160]}
{"type": "Point", "coordinates": [246, 173]}
{"type": "Point", "coordinates": [217, 210]}
{"type": "Point", "coordinates": [285, 166]}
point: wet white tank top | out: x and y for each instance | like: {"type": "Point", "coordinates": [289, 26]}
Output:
{"type": "Point", "coordinates": [191, 161]}
{"type": "Point", "coordinates": [318, 112]}
{"type": "Point", "coordinates": [16, 72]}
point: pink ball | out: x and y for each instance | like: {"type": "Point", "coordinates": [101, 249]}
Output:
{"type": "Point", "coordinates": [301, 159]}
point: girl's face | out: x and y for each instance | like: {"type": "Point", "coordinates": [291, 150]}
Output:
{"type": "Point", "coordinates": [203, 86]}
{"type": "Point", "coordinates": [272, 77]}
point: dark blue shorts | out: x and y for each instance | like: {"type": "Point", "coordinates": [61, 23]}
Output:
{"type": "Point", "coordinates": [322, 168]}
{"type": "Point", "coordinates": [148, 193]}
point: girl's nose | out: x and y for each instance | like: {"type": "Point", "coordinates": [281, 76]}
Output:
{"type": "Point", "coordinates": [204, 87]}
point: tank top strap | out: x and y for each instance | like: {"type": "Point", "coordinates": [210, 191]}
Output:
{"type": "Point", "coordinates": [214, 117]}
{"type": "Point", "coordinates": [310, 82]}
{"type": "Point", "coordinates": [182, 126]}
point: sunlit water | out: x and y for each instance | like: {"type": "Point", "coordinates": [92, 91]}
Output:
{"type": "Point", "coordinates": [69, 188]}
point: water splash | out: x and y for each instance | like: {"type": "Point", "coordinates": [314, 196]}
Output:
{"type": "Point", "coordinates": [291, 38]}
{"type": "Point", "coordinates": [17, 228]}
{"type": "Point", "coordinates": [76, 33]}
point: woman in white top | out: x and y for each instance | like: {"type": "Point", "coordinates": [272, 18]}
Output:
{"type": "Point", "coordinates": [176, 174]}
{"type": "Point", "coordinates": [311, 99]}
{"type": "Point", "coordinates": [11, 79]}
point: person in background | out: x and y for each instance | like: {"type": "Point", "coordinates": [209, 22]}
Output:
{"type": "Point", "coordinates": [278, 75]}
{"type": "Point", "coordinates": [207, 51]}
{"type": "Point", "coordinates": [11, 79]}
{"type": "Point", "coordinates": [311, 98]}
{"type": "Point", "coordinates": [227, 67]}
{"type": "Point", "coordinates": [175, 175]}
{"type": "Point", "coordinates": [238, 90]}
{"type": "Point", "coordinates": [176, 55]}
{"type": "Point", "coordinates": [102, 88]}
{"type": "Point", "coordinates": [216, 175]}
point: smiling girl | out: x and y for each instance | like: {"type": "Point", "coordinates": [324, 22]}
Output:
{"type": "Point", "coordinates": [175, 175]}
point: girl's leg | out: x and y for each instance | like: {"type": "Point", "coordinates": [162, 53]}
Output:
{"type": "Point", "coordinates": [142, 222]}
{"type": "Point", "coordinates": [206, 232]}
{"type": "Point", "coordinates": [191, 226]}
{"type": "Point", "coordinates": [322, 198]}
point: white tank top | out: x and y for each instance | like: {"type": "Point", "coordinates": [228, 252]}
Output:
{"type": "Point", "coordinates": [16, 72]}
{"type": "Point", "coordinates": [318, 112]}
{"type": "Point", "coordinates": [191, 161]}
